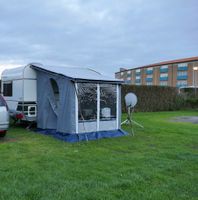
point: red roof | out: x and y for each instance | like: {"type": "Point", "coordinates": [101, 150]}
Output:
{"type": "Point", "coordinates": [183, 60]}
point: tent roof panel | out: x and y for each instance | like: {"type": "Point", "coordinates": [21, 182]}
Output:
{"type": "Point", "coordinates": [76, 73]}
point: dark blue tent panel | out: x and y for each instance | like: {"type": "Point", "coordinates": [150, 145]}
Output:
{"type": "Point", "coordinates": [82, 137]}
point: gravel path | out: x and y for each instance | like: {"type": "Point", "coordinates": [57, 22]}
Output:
{"type": "Point", "coordinates": [191, 119]}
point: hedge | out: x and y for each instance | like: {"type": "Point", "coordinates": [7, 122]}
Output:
{"type": "Point", "coordinates": [153, 98]}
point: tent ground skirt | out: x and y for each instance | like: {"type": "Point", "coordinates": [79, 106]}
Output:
{"type": "Point", "coordinates": [72, 138]}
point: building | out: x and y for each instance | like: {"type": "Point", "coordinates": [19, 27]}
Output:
{"type": "Point", "coordinates": [175, 73]}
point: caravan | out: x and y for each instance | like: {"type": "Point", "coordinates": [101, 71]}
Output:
{"type": "Point", "coordinates": [19, 90]}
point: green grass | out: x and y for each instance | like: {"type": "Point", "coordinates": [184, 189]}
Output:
{"type": "Point", "coordinates": [160, 162]}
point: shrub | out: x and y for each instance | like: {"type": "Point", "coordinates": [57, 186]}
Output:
{"type": "Point", "coordinates": [154, 98]}
{"type": "Point", "coordinates": [192, 102]}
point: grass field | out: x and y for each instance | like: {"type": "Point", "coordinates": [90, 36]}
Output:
{"type": "Point", "coordinates": [158, 163]}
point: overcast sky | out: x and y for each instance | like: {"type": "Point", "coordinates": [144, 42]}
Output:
{"type": "Point", "coordinates": [104, 34]}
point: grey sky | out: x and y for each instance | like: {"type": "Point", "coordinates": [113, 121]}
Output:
{"type": "Point", "coordinates": [104, 35]}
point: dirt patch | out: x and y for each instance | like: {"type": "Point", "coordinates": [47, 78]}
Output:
{"type": "Point", "coordinates": [191, 119]}
{"type": "Point", "coordinates": [7, 139]}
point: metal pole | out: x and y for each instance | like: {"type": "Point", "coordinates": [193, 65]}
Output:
{"type": "Point", "coordinates": [195, 84]}
{"type": "Point", "coordinates": [98, 107]}
{"type": "Point", "coordinates": [195, 79]}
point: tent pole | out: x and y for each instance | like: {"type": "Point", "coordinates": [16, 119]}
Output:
{"type": "Point", "coordinates": [98, 107]}
{"type": "Point", "coordinates": [117, 105]}
{"type": "Point", "coordinates": [76, 106]}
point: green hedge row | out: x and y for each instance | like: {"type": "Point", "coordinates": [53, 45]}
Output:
{"type": "Point", "coordinates": [191, 103]}
{"type": "Point", "coordinates": [153, 98]}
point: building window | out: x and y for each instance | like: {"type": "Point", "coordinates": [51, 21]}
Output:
{"type": "Point", "coordinates": [122, 73]}
{"type": "Point", "coordinates": [137, 80]}
{"type": "Point", "coordinates": [137, 77]}
{"type": "Point", "coordinates": [128, 73]}
{"type": "Point", "coordinates": [137, 71]}
{"type": "Point", "coordinates": [149, 76]}
{"type": "Point", "coordinates": [149, 79]}
{"type": "Point", "coordinates": [163, 83]}
{"type": "Point", "coordinates": [164, 77]}
{"type": "Point", "coordinates": [182, 75]}
{"type": "Point", "coordinates": [149, 83]}
{"type": "Point", "coordinates": [149, 70]}
{"type": "Point", "coordinates": [127, 82]}
{"type": "Point", "coordinates": [164, 69]}
{"type": "Point", "coordinates": [7, 89]}
{"type": "Point", "coordinates": [182, 66]}
{"type": "Point", "coordinates": [181, 83]}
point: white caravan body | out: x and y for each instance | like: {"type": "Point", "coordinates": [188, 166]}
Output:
{"type": "Point", "coordinates": [19, 90]}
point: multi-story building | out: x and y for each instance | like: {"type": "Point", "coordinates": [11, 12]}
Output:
{"type": "Point", "coordinates": [175, 73]}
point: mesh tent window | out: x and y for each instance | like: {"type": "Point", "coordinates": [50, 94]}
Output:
{"type": "Point", "coordinates": [55, 89]}
{"type": "Point", "coordinates": [97, 107]}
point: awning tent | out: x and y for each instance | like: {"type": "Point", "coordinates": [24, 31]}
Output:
{"type": "Point", "coordinates": [78, 102]}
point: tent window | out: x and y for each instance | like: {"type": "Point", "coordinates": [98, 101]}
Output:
{"type": "Point", "coordinates": [7, 89]}
{"type": "Point", "coordinates": [55, 89]}
{"type": "Point", "coordinates": [108, 102]}
{"type": "Point", "coordinates": [87, 101]}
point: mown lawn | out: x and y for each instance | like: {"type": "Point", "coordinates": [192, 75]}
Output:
{"type": "Point", "coordinates": [159, 162]}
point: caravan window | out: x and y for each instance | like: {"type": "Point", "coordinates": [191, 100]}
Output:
{"type": "Point", "coordinates": [107, 102]}
{"type": "Point", "coordinates": [7, 89]}
{"type": "Point", "coordinates": [87, 101]}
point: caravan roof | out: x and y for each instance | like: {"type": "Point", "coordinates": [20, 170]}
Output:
{"type": "Point", "coordinates": [18, 73]}
{"type": "Point", "coordinates": [75, 73]}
